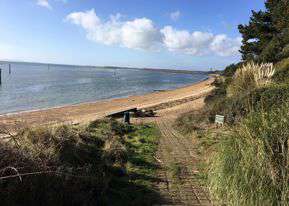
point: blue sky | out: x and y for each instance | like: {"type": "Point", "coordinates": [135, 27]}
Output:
{"type": "Point", "coordinates": [177, 34]}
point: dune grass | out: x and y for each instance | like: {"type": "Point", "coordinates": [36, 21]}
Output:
{"type": "Point", "coordinates": [246, 161]}
{"type": "Point", "coordinates": [249, 77]}
{"type": "Point", "coordinates": [250, 163]}
{"type": "Point", "coordinates": [103, 163]}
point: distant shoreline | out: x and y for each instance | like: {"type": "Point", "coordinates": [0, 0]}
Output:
{"type": "Point", "coordinates": [181, 71]}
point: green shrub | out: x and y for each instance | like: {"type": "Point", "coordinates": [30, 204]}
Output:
{"type": "Point", "coordinates": [231, 69]}
{"type": "Point", "coordinates": [220, 91]}
{"type": "Point", "coordinates": [234, 108]}
{"type": "Point", "coordinates": [249, 166]}
{"type": "Point", "coordinates": [270, 97]}
{"type": "Point", "coordinates": [282, 71]}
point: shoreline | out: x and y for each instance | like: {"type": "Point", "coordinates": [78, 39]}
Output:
{"type": "Point", "coordinates": [89, 111]}
{"type": "Point", "coordinates": [95, 101]}
{"type": "Point", "coordinates": [183, 71]}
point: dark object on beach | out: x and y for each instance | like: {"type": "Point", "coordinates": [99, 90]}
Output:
{"type": "Point", "coordinates": [120, 113]}
{"type": "Point", "coordinates": [126, 117]}
{"type": "Point", "coordinates": [145, 113]}
{"type": "Point", "coordinates": [0, 76]}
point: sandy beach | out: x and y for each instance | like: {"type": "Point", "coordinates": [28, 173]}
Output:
{"type": "Point", "coordinates": [85, 112]}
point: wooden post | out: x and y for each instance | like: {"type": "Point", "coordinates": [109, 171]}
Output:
{"type": "Point", "coordinates": [0, 76]}
{"type": "Point", "coordinates": [9, 68]}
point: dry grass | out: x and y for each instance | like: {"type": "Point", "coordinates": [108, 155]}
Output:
{"type": "Point", "coordinates": [249, 165]}
{"type": "Point", "coordinates": [78, 165]}
{"type": "Point", "coordinates": [251, 76]}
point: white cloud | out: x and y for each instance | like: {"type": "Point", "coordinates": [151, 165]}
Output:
{"type": "Point", "coordinates": [225, 46]}
{"type": "Point", "coordinates": [175, 15]}
{"type": "Point", "coordinates": [195, 43]}
{"type": "Point", "coordinates": [136, 34]}
{"type": "Point", "coordinates": [44, 3]}
{"type": "Point", "coordinates": [141, 33]}
{"type": "Point", "coordinates": [199, 43]}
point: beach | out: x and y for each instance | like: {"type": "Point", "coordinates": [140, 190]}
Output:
{"type": "Point", "coordinates": [86, 112]}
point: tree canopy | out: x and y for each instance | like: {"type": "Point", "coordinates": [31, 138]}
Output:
{"type": "Point", "coordinates": [266, 36]}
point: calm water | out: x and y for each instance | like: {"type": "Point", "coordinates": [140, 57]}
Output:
{"type": "Point", "coordinates": [35, 86]}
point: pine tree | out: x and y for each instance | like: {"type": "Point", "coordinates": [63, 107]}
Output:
{"type": "Point", "coordinates": [266, 37]}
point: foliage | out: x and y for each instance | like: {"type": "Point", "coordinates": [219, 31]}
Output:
{"type": "Point", "coordinates": [265, 37]}
{"type": "Point", "coordinates": [282, 71]}
{"type": "Point", "coordinates": [249, 164]}
{"type": "Point", "coordinates": [78, 165]}
{"type": "Point", "coordinates": [236, 107]}
{"type": "Point", "coordinates": [229, 71]}
{"type": "Point", "coordinates": [220, 91]}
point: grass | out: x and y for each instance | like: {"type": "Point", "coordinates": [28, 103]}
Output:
{"type": "Point", "coordinates": [105, 162]}
{"type": "Point", "coordinates": [136, 188]}
{"type": "Point", "coordinates": [249, 165]}
{"type": "Point", "coordinates": [176, 169]}
{"type": "Point", "coordinates": [246, 161]}
{"type": "Point", "coordinates": [191, 122]}
{"type": "Point", "coordinates": [249, 77]}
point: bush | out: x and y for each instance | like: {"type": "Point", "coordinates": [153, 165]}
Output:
{"type": "Point", "coordinates": [249, 166]}
{"type": "Point", "coordinates": [282, 71]}
{"type": "Point", "coordinates": [270, 97]}
{"type": "Point", "coordinates": [236, 107]}
{"type": "Point", "coordinates": [220, 84]}
{"type": "Point", "coordinates": [231, 69]}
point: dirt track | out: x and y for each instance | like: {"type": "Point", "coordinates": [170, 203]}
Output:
{"type": "Point", "coordinates": [175, 149]}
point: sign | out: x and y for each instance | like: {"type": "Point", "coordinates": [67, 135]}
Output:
{"type": "Point", "coordinates": [219, 119]}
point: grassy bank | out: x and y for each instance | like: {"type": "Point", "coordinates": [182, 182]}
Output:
{"type": "Point", "coordinates": [245, 162]}
{"type": "Point", "coordinates": [105, 162]}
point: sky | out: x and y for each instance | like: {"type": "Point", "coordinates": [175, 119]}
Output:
{"type": "Point", "coordinates": [169, 34]}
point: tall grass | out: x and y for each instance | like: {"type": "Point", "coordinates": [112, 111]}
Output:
{"type": "Point", "coordinates": [251, 76]}
{"type": "Point", "coordinates": [250, 165]}
{"type": "Point", "coordinates": [103, 163]}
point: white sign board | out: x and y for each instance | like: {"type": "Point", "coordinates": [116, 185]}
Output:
{"type": "Point", "coordinates": [219, 119]}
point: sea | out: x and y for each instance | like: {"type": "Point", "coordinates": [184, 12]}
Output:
{"type": "Point", "coordinates": [32, 86]}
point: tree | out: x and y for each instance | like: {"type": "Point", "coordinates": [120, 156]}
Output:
{"type": "Point", "coordinates": [266, 36]}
